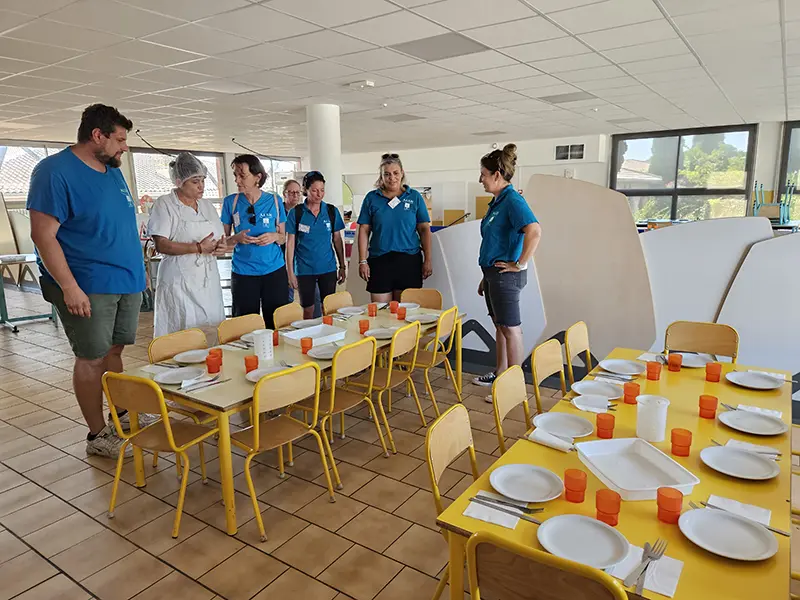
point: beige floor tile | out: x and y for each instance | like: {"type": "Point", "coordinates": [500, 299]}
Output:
{"type": "Point", "coordinates": [17, 410]}
{"type": "Point", "coordinates": [36, 516]}
{"type": "Point", "coordinates": [329, 515]}
{"type": "Point", "coordinates": [312, 550]}
{"type": "Point", "coordinates": [460, 487]}
{"type": "Point", "coordinates": [68, 437]}
{"type": "Point", "coordinates": [215, 514]}
{"type": "Point", "coordinates": [63, 534]}
{"type": "Point", "coordinates": [264, 478]}
{"type": "Point", "coordinates": [156, 536]}
{"type": "Point", "coordinates": [420, 548]}
{"type": "Point", "coordinates": [202, 552]}
{"type": "Point", "coordinates": [404, 421]}
{"type": "Point", "coordinates": [356, 452]}
{"type": "Point", "coordinates": [175, 586]}
{"type": "Point", "coordinates": [280, 527]}
{"type": "Point", "coordinates": [462, 463]}
{"type": "Point", "coordinates": [59, 587]}
{"type": "Point", "coordinates": [243, 575]}
{"type": "Point", "coordinates": [409, 584]}
{"type": "Point", "coordinates": [137, 512]}
{"type": "Point", "coordinates": [307, 466]}
{"type": "Point", "coordinates": [292, 495]}
{"type": "Point", "coordinates": [51, 427]}
{"type": "Point", "coordinates": [212, 467]}
{"type": "Point", "coordinates": [10, 546]}
{"type": "Point", "coordinates": [421, 509]}
{"type": "Point", "coordinates": [34, 458]}
{"type": "Point", "coordinates": [361, 573]}
{"type": "Point", "coordinates": [421, 478]}
{"type": "Point", "coordinates": [406, 442]}
{"type": "Point", "coordinates": [385, 493]}
{"type": "Point", "coordinates": [127, 577]}
{"type": "Point", "coordinates": [294, 584]}
{"type": "Point", "coordinates": [79, 483]}
{"type": "Point", "coordinates": [396, 466]}
{"type": "Point", "coordinates": [363, 431]}
{"type": "Point", "coordinates": [32, 419]}
{"type": "Point", "coordinates": [375, 529]}
{"type": "Point", "coordinates": [21, 496]}
{"type": "Point", "coordinates": [96, 502]}
{"type": "Point", "coordinates": [7, 432]}
{"type": "Point", "coordinates": [55, 470]}
{"type": "Point", "coordinates": [18, 446]}
{"type": "Point", "coordinates": [22, 573]}
{"type": "Point", "coordinates": [353, 478]}
{"type": "Point", "coordinates": [93, 554]}
{"type": "Point", "coordinates": [166, 482]}
{"type": "Point", "coordinates": [10, 479]}
{"type": "Point", "coordinates": [199, 496]}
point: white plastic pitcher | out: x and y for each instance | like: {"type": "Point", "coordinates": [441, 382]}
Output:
{"type": "Point", "coordinates": [651, 417]}
{"type": "Point", "coordinates": [262, 342]}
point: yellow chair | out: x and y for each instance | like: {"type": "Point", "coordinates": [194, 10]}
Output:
{"type": "Point", "coordinates": [233, 329]}
{"type": "Point", "coordinates": [503, 569]}
{"type": "Point", "coordinates": [274, 392]}
{"type": "Point", "coordinates": [425, 297]}
{"type": "Point", "coordinates": [446, 439]}
{"type": "Point", "coordinates": [336, 301]}
{"type": "Point", "coordinates": [546, 360]}
{"type": "Point", "coordinates": [404, 342]}
{"type": "Point", "coordinates": [137, 394]}
{"type": "Point", "coordinates": [287, 314]}
{"type": "Point", "coordinates": [353, 359]}
{"type": "Point", "coordinates": [576, 340]}
{"type": "Point", "coordinates": [705, 338]}
{"type": "Point", "coordinates": [508, 392]}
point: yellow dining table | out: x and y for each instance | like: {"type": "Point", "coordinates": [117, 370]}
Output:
{"type": "Point", "coordinates": [705, 576]}
{"type": "Point", "coordinates": [233, 396]}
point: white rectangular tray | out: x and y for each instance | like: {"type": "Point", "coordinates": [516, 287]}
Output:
{"type": "Point", "coordinates": [321, 334]}
{"type": "Point", "coordinates": [634, 468]}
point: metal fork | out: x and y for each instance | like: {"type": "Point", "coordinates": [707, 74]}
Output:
{"type": "Point", "coordinates": [649, 553]}
{"type": "Point", "coordinates": [775, 455]}
{"type": "Point", "coordinates": [656, 553]}
{"type": "Point", "coordinates": [728, 406]}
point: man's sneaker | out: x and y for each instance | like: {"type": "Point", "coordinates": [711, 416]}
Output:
{"type": "Point", "coordinates": [488, 399]}
{"type": "Point", "coordinates": [485, 380]}
{"type": "Point", "coordinates": [106, 443]}
{"type": "Point", "coordinates": [145, 419]}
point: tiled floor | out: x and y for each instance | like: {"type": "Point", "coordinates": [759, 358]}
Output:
{"type": "Point", "coordinates": [379, 539]}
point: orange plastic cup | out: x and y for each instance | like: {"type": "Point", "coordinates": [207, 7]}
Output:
{"type": "Point", "coordinates": [708, 406]}
{"type": "Point", "coordinates": [608, 503]}
{"type": "Point", "coordinates": [250, 363]}
{"type": "Point", "coordinates": [605, 425]}
{"type": "Point", "coordinates": [713, 371]}
{"type": "Point", "coordinates": [670, 517]}
{"type": "Point", "coordinates": [213, 363]}
{"type": "Point", "coordinates": [328, 319]}
{"type": "Point", "coordinates": [393, 306]}
{"type": "Point", "coordinates": [681, 441]}
{"type": "Point", "coordinates": [401, 313]}
{"type": "Point", "coordinates": [632, 390]}
{"type": "Point", "coordinates": [215, 352]}
{"type": "Point", "coordinates": [363, 326]}
{"type": "Point", "coordinates": [372, 309]}
{"type": "Point", "coordinates": [654, 370]}
{"type": "Point", "coordinates": [574, 485]}
{"type": "Point", "coordinates": [608, 518]}
{"type": "Point", "coordinates": [670, 503]}
{"type": "Point", "coordinates": [674, 361]}
{"type": "Point", "coordinates": [276, 338]}
{"type": "Point", "coordinates": [306, 344]}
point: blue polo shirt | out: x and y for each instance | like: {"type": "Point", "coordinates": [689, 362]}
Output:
{"type": "Point", "coordinates": [501, 228]}
{"type": "Point", "coordinates": [98, 232]}
{"type": "Point", "coordinates": [314, 254]}
{"type": "Point", "coordinates": [268, 213]}
{"type": "Point", "coordinates": [394, 229]}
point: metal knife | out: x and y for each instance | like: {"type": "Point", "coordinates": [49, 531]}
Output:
{"type": "Point", "coordinates": [478, 500]}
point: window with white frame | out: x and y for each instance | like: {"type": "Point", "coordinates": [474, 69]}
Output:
{"type": "Point", "coordinates": [151, 174]}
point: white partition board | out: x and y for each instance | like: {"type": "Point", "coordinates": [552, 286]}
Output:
{"type": "Point", "coordinates": [763, 305]}
{"type": "Point", "coordinates": [590, 264]}
{"type": "Point", "coordinates": [691, 266]}
{"type": "Point", "coordinates": [355, 285]}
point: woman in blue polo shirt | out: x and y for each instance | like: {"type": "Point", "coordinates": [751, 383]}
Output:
{"type": "Point", "coordinates": [510, 234]}
{"type": "Point", "coordinates": [313, 233]}
{"type": "Point", "coordinates": [394, 225]}
{"type": "Point", "coordinates": [258, 280]}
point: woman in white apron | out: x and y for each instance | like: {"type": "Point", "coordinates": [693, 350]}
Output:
{"type": "Point", "coordinates": [188, 233]}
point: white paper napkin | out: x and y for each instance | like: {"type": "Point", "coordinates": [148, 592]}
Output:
{"type": "Point", "coordinates": [190, 382]}
{"type": "Point", "coordinates": [661, 577]}
{"type": "Point", "coordinates": [747, 446]}
{"type": "Point", "coordinates": [779, 376]}
{"type": "Point", "coordinates": [154, 369]}
{"type": "Point", "coordinates": [489, 515]}
{"type": "Point", "coordinates": [649, 357]}
{"type": "Point", "coordinates": [592, 405]}
{"type": "Point", "coordinates": [609, 380]}
{"type": "Point", "coordinates": [540, 436]}
{"type": "Point", "coordinates": [763, 411]}
{"type": "Point", "coordinates": [748, 511]}
{"type": "Point", "coordinates": [229, 347]}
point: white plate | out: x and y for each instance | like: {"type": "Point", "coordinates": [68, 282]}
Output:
{"type": "Point", "coordinates": [423, 319]}
{"type": "Point", "coordinates": [191, 357]}
{"type": "Point", "coordinates": [248, 337]}
{"type": "Point", "coordinates": [352, 310]}
{"type": "Point", "coordinates": [254, 376]}
{"type": "Point", "coordinates": [727, 534]}
{"type": "Point", "coordinates": [739, 463]}
{"type": "Point", "coordinates": [584, 540]}
{"type": "Point", "coordinates": [750, 422]}
{"type": "Point", "coordinates": [307, 323]}
{"type": "Point", "coordinates": [590, 401]}
{"type": "Point", "coordinates": [526, 483]}
{"type": "Point", "coordinates": [409, 306]}
{"type": "Point", "coordinates": [622, 367]}
{"type": "Point", "coordinates": [754, 381]}
{"type": "Point", "coordinates": [564, 424]}
{"type": "Point", "coordinates": [381, 333]}
{"type": "Point", "coordinates": [611, 391]}
{"type": "Point", "coordinates": [175, 376]}
{"type": "Point", "coordinates": [323, 352]}
{"type": "Point", "coordinates": [694, 361]}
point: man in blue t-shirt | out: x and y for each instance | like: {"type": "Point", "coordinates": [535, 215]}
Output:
{"type": "Point", "coordinates": [83, 222]}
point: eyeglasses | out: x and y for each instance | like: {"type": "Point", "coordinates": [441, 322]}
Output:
{"type": "Point", "coordinates": [387, 155]}
{"type": "Point", "coordinates": [251, 211]}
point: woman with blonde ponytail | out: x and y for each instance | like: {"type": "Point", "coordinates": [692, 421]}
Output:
{"type": "Point", "coordinates": [510, 234]}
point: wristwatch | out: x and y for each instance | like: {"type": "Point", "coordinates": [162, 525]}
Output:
{"type": "Point", "coordinates": [521, 267]}
{"type": "Point", "coordinates": [363, 262]}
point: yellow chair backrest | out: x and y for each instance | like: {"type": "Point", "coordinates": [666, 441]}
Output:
{"type": "Point", "coordinates": [233, 329]}
{"type": "Point", "coordinates": [546, 360]}
{"type": "Point", "coordinates": [405, 341]}
{"type": "Point", "coordinates": [503, 569]}
{"type": "Point", "coordinates": [167, 346]}
{"type": "Point", "coordinates": [446, 438]}
{"type": "Point", "coordinates": [576, 340]}
{"type": "Point", "coordinates": [425, 297]}
{"type": "Point", "coordinates": [445, 327]}
{"type": "Point", "coordinates": [336, 301]}
{"type": "Point", "coordinates": [287, 314]}
{"type": "Point", "coordinates": [508, 392]}
{"type": "Point", "coordinates": [706, 338]}
{"type": "Point", "coordinates": [358, 357]}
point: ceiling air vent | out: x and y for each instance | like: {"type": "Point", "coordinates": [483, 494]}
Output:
{"type": "Point", "coordinates": [569, 152]}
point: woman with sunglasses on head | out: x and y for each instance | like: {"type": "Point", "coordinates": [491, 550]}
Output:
{"type": "Point", "coordinates": [312, 236]}
{"type": "Point", "coordinates": [258, 282]}
{"type": "Point", "coordinates": [393, 225]}
{"type": "Point", "coordinates": [510, 234]}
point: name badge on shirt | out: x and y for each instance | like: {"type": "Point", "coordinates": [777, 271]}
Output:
{"type": "Point", "coordinates": [265, 220]}
{"type": "Point", "coordinates": [236, 220]}
{"type": "Point", "coordinates": [304, 228]}
{"type": "Point", "coordinates": [394, 203]}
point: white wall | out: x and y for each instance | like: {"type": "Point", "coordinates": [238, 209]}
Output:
{"type": "Point", "coordinates": [768, 154]}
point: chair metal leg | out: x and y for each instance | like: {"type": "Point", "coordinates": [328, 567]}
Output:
{"type": "Point", "coordinates": [324, 465]}
{"type": "Point", "coordinates": [377, 425]}
{"type": "Point", "coordinates": [442, 583]}
{"type": "Point", "coordinates": [181, 457]}
{"type": "Point", "coordinates": [430, 393]}
{"type": "Point", "coordinates": [155, 459]}
{"type": "Point", "coordinates": [290, 462]}
{"type": "Point", "coordinates": [282, 472]}
{"type": "Point", "coordinates": [117, 475]}
{"type": "Point", "coordinates": [389, 399]}
{"type": "Point", "coordinates": [449, 370]}
{"type": "Point", "coordinates": [178, 467]}
{"type": "Point", "coordinates": [338, 479]}
{"type": "Point", "coordinates": [256, 510]}
{"type": "Point", "coordinates": [202, 452]}
{"type": "Point", "coordinates": [413, 389]}
{"type": "Point", "coordinates": [386, 421]}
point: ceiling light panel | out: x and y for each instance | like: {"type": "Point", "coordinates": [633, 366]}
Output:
{"type": "Point", "coordinates": [441, 47]}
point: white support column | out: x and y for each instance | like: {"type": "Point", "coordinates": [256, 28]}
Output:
{"type": "Point", "coordinates": [325, 148]}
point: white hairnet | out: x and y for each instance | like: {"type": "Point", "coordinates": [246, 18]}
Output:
{"type": "Point", "coordinates": [185, 166]}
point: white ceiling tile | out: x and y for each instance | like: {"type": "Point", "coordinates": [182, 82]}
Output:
{"type": "Point", "coordinates": [172, 76]}
{"type": "Point", "coordinates": [548, 6]}
{"type": "Point", "coordinates": [266, 56]}
{"type": "Point", "coordinates": [748, 15]}
{"type": "Point", "coordinates": [122, 19]}
{"type": "Point", "coordinates": [550, 90]}
{"type": "Point", "coordinates": [673, 75]}
{"type": "Point", "coordinates": [452, 103]}
{"type": "Point", "coordinates": [513, 33]}
{"type": "Point", "coordinates": [31, 51]}
{"type": "Point", "coordinates": [63, 73]}
{"type": "Point", "coordinates": [504, 73]}
{"type": "Point", "coordinates": [417, 72]}
{"type": "Point", "coordinates": [66, 36]}
{"type": "Point", "coordinates": [215, 67]}
{"type": "Point", "coordinates": [319, 69]}
{"type": "Point", "coordinates": [269, 79]}
{"type": "Point", "coordinates": [39, 83]}
{"type": "Point", "coordinates": [630, 35]}
{"type": "Point", "coordinates": [570, 63]}
{"type": "Point", "coordinates": [154, 54]}
{"type": "Point", "coordinates": [199, 39]}
{"type": "Point", "coordinates": [527, 83]}
{"type": "Point", "coordinates": [449, 82]}
{"type": "Point", "coordinates": [668, 63]}
{"type": "Point", "coordinates": [333, 14]}
{"type": "Point", "coordinates": [189, 10]}
{"type": "Point", "coordinates": [374, 60]}
{"type": "Point", "coordinates": [102, 62]}
{"type": "Point", "coordinates": [10, 20]}
{"type": "Point", "coordinates": [646, 51]}
{"type": "Point", "coordinates": [594, 74]}
{"type": "Point", "coordinates": [466, 14]}
{"type": "Point", "coordinates": [477, 61]}
{"type": "Point", "coordinates": [603, 15]}
{"type": "Point", "coordinates": [395, 28]}
{"type": "Point", "coordinates": [12, 65]}
{"type": "Point", "coordinates": [325, 44]}
{"type": "Point", "coordinates": [566, 46]}
{"type": "Point", "coordinates": [260, 23]}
